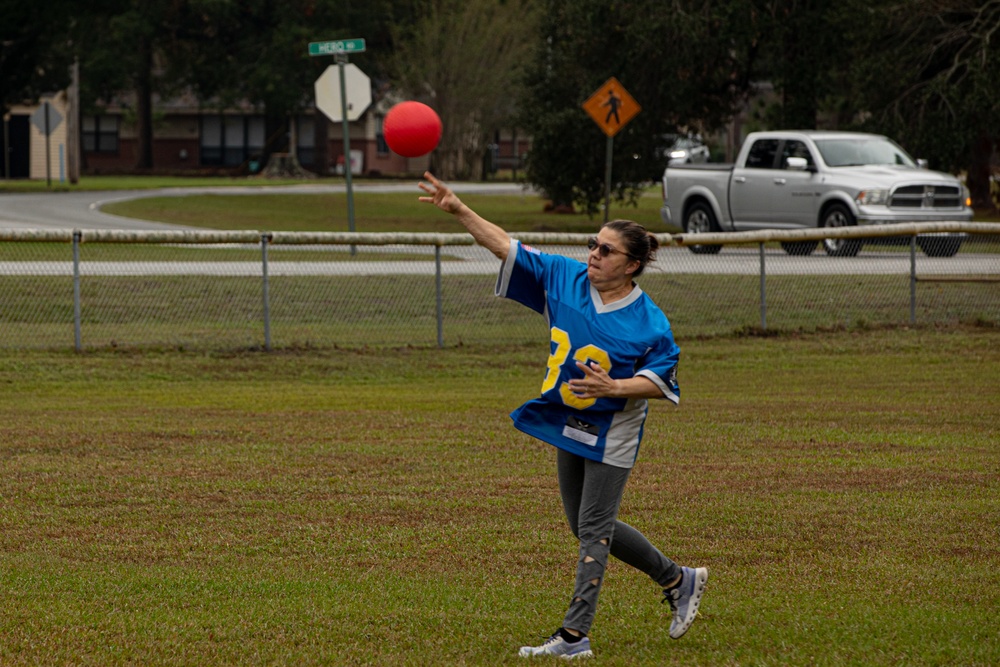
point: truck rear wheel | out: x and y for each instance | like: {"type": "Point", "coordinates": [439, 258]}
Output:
{"type": "Point", "coordinates": [940, 246]}
{"type": "Point", "coordinates": [836, 216]}
{"type": "Point", "coordinates": [798, 247]}
{"type": "Point", "coordinates": [701, 220]}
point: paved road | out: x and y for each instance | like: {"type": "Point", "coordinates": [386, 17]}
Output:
{"type": "Point", "coordinates": [82, 210]}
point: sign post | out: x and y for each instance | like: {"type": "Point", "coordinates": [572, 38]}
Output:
{"type": "Point", "coordinates": [611, 107]}
{"type": "Point", "coordinates": [6, 143]}
{"type": "Point", "coordinates": [340, 49]}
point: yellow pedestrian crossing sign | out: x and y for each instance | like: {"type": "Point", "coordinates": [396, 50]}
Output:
{"type": "Point", "coordinates": [611, 107]}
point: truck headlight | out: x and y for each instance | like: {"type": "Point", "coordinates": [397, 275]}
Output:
{"type": "Point", "coordinates": [872, 197]}
{"type": "Point", "coordinates": [677, 155]}
{"type": "Point", "coordinates": [967, 196]}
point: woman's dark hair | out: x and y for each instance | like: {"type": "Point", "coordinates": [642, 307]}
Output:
{"type": "Point", "coordinates": [639, 243]}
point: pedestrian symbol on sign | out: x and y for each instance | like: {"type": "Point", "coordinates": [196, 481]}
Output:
{"type": "Point", "coordinates": [611, 107]}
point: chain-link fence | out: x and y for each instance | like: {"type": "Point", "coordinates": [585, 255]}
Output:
{"type": "Point", "coordinates": [97, 289]}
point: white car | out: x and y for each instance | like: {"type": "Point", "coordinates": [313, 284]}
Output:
{"type": "Point", "coordinates": [688, 150]}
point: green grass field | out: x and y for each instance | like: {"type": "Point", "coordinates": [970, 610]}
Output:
{"type": "Point", "coordinates": [374, 212]}
{"type": "Point", "coordinates": [350, 507]}
{"type": "Point", "coordinates": [339, 504]}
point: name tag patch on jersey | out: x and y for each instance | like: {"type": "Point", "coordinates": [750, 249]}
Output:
{"type": "Point", "coordinates": [672, 378]}
{"type": "Point", "coordinates": [581, 431]}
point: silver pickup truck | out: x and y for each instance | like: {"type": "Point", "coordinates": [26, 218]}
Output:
{"type": "Point", "coordinates": [809, 179]}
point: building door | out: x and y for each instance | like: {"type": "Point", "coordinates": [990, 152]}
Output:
{"type": "Point", "coordinates": [18, 150]}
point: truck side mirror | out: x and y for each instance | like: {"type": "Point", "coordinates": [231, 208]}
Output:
{"type": "Point", "coordinates": [922, 163]}
{"type": "Point", "coordinates": [797, 164]}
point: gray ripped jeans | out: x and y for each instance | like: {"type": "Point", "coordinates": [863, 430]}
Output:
{"type": "Point", "coordinates": [591, 494]}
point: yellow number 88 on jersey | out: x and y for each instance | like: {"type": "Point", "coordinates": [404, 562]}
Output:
{"type": "Point", "coordinates": [560, 355]}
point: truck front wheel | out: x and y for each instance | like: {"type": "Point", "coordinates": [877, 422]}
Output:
{"type": "Point", "coordinates": [701, 220]}
{"type": "Point", "coordinates": [836, 216]}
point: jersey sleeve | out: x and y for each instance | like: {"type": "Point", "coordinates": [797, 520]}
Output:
{"type": "Point", "coordinates": [522, 276]}
{"type": "Point", "coordinates": [659, 365]}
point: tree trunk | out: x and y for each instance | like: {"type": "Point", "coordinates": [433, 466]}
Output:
{"type": "Point", "coordinates": [978, 178]}
{"type": "Point", "coordinates": [276, 134]}
{"type": "Point", "coordinates": [800, 67]}
{"type": "Point", "coordinates": [73, 125]}
{"type": "Point", "coordinates": [322, 145]}
{"type": "Point", "coordinates": [284, 165]}
{"type": "Point", "coordinates": [144, 106]}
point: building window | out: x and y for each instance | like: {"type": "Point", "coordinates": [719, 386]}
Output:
{"type": "Point", "coordinates": [381, 146]}
{"type": "Point", "coordinates": [100, 134]}
{"type": "Point", "coordinates": [231, 141]}
{"type": "Point", "coordinates": [305, 139]}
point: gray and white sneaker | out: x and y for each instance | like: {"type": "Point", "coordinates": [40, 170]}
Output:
{"type": "Point", "coordinates": [684, 599]}
{"type": "Point", "coordinates": [556, 645]}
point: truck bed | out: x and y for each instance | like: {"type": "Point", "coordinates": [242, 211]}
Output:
{"type": "Point", "coordinates": [705, 166]}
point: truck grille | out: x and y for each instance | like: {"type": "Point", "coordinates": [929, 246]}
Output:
{"type": "Point", "coordinates": [926, 196]}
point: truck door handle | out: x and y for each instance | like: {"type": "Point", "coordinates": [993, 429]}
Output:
{"type": "Point", "coordinates": [739, 179]}
{"type": "Point", "coordinates": [780, 181]}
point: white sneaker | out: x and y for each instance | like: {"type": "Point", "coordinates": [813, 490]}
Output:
{"type": "Point", "coordinates": [684, 599]}
{"type": "Point", "coordinates": [556, 645]}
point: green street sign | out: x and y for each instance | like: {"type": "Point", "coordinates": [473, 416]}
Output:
{"type": "Point", "coordinates": [337, 47]}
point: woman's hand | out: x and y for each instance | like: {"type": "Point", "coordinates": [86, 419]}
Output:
{"type": "Point", "coordinates": [440, 194]}
{"type": "Point", "coordinates": [595, 383]}
{"type": "Point", "coordinates": [488, 235]}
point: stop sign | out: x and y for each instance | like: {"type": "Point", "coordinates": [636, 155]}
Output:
{"type": "Point", "coordinates": [358, 88]}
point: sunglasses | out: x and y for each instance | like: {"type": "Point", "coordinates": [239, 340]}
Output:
{"type": "Point", "coordinates": [604, 249]}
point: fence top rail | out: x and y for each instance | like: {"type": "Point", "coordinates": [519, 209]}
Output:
{"type": "Point", "coordinates": [283, 238]}
{"type": "Point", "coordinates": [368, 238]}
{"type": "Point", "coordinates": [463, 239]}
{"type": "Point", "coordinates": [37, 235]}
{"type": "Point", "coordinates": [230, 237]}
{"type": "Point", "coordinates": [128, 236]}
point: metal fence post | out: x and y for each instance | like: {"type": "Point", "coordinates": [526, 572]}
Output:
{"type": "Point", "coordinates": [913, 279]}
{"type": "Point", "coordinates": [266, 292]}
{"type": "Point", "coordinates": [77, 336]}
{"type": "Point", "coordinates": [440, 300]}
{"type": "Point", "coordinates": [763, 292]}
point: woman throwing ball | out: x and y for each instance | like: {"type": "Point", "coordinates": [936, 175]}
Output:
{"type": "Point", "coordinates": [612, 350]}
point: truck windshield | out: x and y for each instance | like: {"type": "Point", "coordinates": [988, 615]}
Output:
{"type": "Point", "coordinates": [861, 150]}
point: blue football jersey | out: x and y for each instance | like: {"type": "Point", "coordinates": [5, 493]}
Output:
{"type": "Point", "coordinates": [627, 338]}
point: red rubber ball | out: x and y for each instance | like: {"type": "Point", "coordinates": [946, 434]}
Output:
{"type": "Point", "coordinates": [412, 129]}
